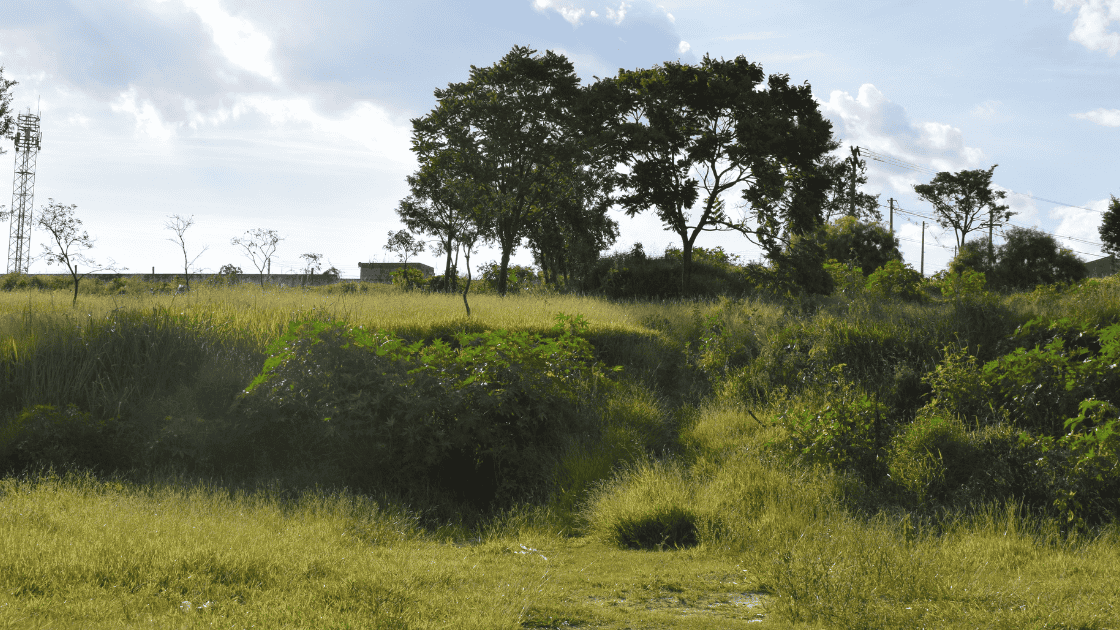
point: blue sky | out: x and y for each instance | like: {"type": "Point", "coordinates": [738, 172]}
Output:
{"type": "Point", "coordinates": [294, 115]}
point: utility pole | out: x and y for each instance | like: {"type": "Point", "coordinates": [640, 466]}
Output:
{"type": "Point", "coordinates": [923, 264]}
{"type": "Point", "coordinates": [852, 198]}
{"type": "Point", "coordinates": [892, 215]}
{"type": "Point", "coordinates": [991, 248]}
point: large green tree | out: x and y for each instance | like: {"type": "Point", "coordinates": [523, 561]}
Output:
{"type": "Point", "coordinates": [862, 244]}
{"type": "Point", "coordinates": [572, 225]}
{"type": "Point", "coordinates": [1027, 258]}
{"type": "Point", "coordinates": [6, 126]}
{"type": "Point", "coordinates": [965, 202]}
{"type": "Point", "coordinates": [498, 131]}
{"type": "Point", "coordinates": [845, 197]}
{"type": "Point", "coordinates": [1110, 228]}
{"type": "Point", "coordinates": [690, 136]}
{"type": "Point", "coordinates": [6, 120]}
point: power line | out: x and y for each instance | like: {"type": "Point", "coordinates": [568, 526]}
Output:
{"type": "Point", "coordinates": [893, 161]}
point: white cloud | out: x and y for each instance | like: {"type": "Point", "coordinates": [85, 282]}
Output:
{"type": "Point", "coordinates": [148, 120]}
{"type": "Point", "coordinates": [619, 15]}
{"type": "Point", "coordinates": [567, 10]}
{"type": "Point", "coordinates": [240, 42]}
{"type": "Point", "coordinates": [1102, 116]}
{"type": "Point", "coordinates": [750, 36]}
{"type": "Point", "coordinates": [1026, 212]}
{"type": "Point", "coordinates": [1091, 28]}
{"type": "Point", "coordinates": [1080, 223]}
{"type": "Point", "coordinates": [986, 110]}
{"type": "Point", "coordinates": [296, 120]}
{"type": "Point", "coordinates": [870, 120]}
{"type": "Point", "coordinates": [683, 47]}
{"type": "Point", "coordinates": [671, 18]}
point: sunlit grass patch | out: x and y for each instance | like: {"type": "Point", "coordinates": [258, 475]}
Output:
{"type": "Point", "coordinates": [77, 549]}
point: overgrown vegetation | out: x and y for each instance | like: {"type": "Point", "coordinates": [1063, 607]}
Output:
{"type": "Point", "coordinates": [902, 453]}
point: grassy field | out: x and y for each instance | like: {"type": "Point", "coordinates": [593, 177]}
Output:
{"type": "Point", "coordinates": [686, 511]}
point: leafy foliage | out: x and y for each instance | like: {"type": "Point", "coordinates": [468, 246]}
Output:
{"type": "Point", "coordinates": [896, 280]}
{"type": "Point", "coordinates": [489, 139]}
{"type": "Point", "coordinates": [848, 433]}
{"type": "Point", "coordinates": [1059, 386]}
{"type": "Point", "coordinates": [1027, 258]}
{"type": "Point", "coordinates": [964, 201]}
{"type": "Point", "coordinates": [1110, 227]}
{"type": "Point", "coordinates": [482, 417]}
{"type": "Point", "coordinates": [691, 134]}
{"type": "Point", "coordinates": [403, 244]}
{"type": "Point", "coordinates": [868, 246]}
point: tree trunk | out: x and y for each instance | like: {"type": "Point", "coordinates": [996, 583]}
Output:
{"type": "Point", "coordinates": [447, 280]}
{"type": "Point", "coordinates": [503, 272]}
{"type": "Point", "coordinates": [467, 287]}
{"type": "Point", "coordinates": [74, 274]}
{"type": "Point", "coordinates": [686, 266]}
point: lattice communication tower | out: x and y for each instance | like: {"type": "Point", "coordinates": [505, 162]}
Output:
{"type": "Point", "coordinates": [27, 141]}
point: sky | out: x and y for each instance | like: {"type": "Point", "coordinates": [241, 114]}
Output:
{"type": "Point", "coordinates": [295, 116]}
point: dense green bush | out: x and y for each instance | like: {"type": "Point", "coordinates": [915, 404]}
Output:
{"type": "Point", "coordinates": [48, 436]}
{"type": "Point", "coordinates": [931, 458]}
{"type": "Point", "coordinates": [868, 246]}
{"type": "Point", "coordinates": [408, 278]}
{"type": "Point", "coordinates": [895, 280]}
{"type": "Point", "coordinates": [848, 433]}
{"type": "Point", "coordinates": [1027, 258]}
{"type": "Point", "coordinates": [483, 417]}
{"type": "Point", "coordinates": [1058, 386]}
{"type": "Point", "coordinates": [634, 274]}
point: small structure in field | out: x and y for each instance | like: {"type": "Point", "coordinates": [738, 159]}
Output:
{"type": "Point", "coordinates": [382, 272]}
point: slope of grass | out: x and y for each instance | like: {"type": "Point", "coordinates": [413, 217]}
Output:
{"type": "Point", "coordinates": [692, 510]}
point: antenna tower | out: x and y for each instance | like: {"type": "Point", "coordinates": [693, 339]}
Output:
{"type": "Point", "coordinates": [23, 192]}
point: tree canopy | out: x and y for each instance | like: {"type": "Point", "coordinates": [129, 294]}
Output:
{"type": "Point", "coordinates": [1027, 258]}
{"type": "Point", "coordinates": [689, 136]}
{"type": "Point", "coordinates": [866, 245]}
{"type": "Point", "coordinates": [844, 196]}
{"type": "Point", "coordinates": [499, 131]}
{"type": "Point", "coordinates": [1110, 228]}
{"type": "Point", "coordinates": [520, 151]}
{"type": "Point", "coordinates": [965, 201]}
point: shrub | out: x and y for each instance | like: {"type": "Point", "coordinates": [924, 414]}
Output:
{"type": "Point", "coordinates": [408, 278]}
{"type": "Point", "coordinates": [867, 246]}
{"type": "Point", "coordinates": [47, 436]}
{"type": "Point", "coordinates": [652, 505]}
{"type": "Point", "coordinates": [518, 277]}
{"type": "Point", "coordinates": [661, 527]}
{"type": "Point", "coordinates": [848, 434]}
{"type": "Point", "coordinates": [1027, 258]}
{"type": "Point", "coordinates": [932, 458]}
{"type": "Point", "coordinates": [895, 280]}
{"type": "Point", "coordinates": [847, 279]}
{"type": "Point", "coordinates": [967, 283]}
{"type": "Point", "coordinates": [483, 417]}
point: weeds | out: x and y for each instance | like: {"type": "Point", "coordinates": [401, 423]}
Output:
{"type": "Point", "coordinates": [931, 483]}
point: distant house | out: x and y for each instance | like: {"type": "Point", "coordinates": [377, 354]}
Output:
{"type": "Point", "coordinates": [382, 272]}
{"type": "Point", "coordinates": [1103, 267]}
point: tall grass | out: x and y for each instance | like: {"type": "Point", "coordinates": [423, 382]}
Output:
{"type": "Point", "coordinates": [96, 555]}
{"type": "Point", "coordinates": [691, 502]}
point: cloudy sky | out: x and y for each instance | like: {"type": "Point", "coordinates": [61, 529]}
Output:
{"type": "Point", "coordinates": [294, 115]}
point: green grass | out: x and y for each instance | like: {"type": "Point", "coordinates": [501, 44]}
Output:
{"type": "Point", "coordinates": [687, 513]}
